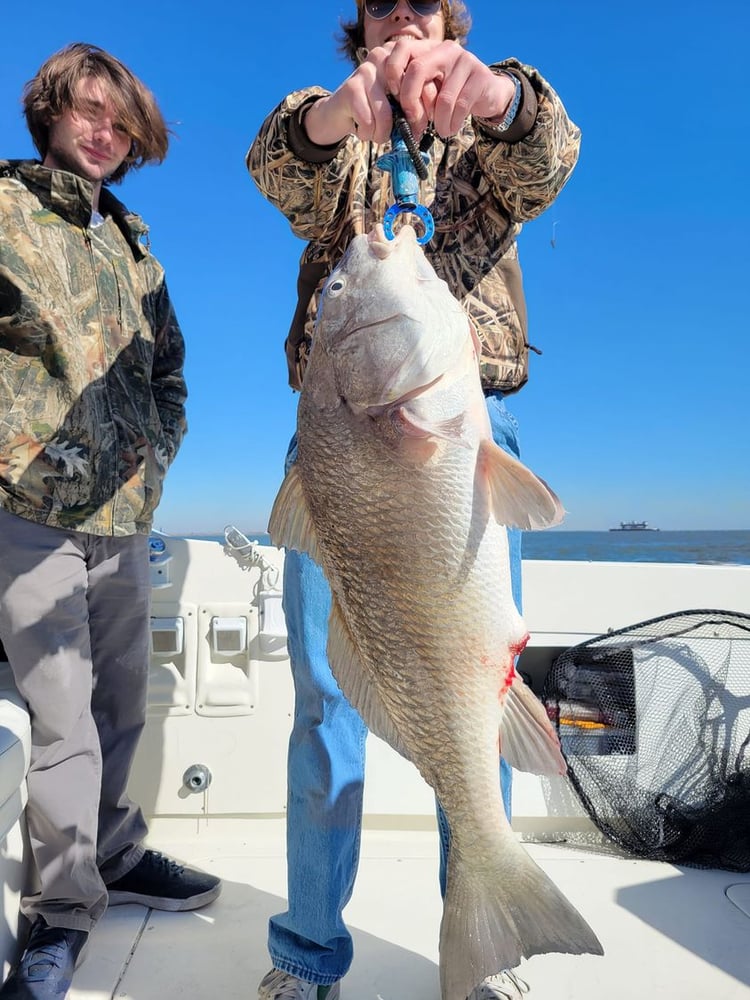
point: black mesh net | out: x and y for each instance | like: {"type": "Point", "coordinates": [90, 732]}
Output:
{"type": "Point", "coordinates": [654, 722]}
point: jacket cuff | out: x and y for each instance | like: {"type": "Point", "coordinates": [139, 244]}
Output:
{"type": "Point", "coordinates": [300, 143]}
{"type": "Point", "coordinates": [525, 118]}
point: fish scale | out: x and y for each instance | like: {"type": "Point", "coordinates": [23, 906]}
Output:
{"type": "Point", "coordinates": [401, 495]}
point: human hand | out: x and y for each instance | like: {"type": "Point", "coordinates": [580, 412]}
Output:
{"type": "Point", "coordinates": [444, 83]}
{"type": "Point", "coordinates": [433, 81]}
{"type": "Point", "coordinates": [358, 107]}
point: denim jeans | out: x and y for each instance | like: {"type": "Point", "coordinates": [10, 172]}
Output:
{"type": "Point", "coordinates": [326, 765]}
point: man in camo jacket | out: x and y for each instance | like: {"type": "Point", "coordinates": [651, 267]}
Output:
{"type": "Point", "coordinates": [92, 401]}
{"type": "Point", "coordinates": [501, 147]}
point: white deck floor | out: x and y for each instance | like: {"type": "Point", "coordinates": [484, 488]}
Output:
{"type": "Point", "coordinates": [667, 932]}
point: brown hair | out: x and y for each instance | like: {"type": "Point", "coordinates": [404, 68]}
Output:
{"type": "Point", "coordinates": [54, 90]}
{"type": "Point", "coordinates": [456, 19]}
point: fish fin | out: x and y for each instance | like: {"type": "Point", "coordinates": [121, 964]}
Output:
{"type": "Point", "coordinates": [497, 913]}
{"type": "Point", "coordinates": [518, 498]}
{"type": "Point", "coordinates": [356, 681]}
{"type": "Point", "coordinates": [528, 740]}
{"type": "Point", "coordinates": [290, 523]}
{"type": "Point", "coordinates": [415, 437]}
{"type": "Point", "coordinates": [452, 429]}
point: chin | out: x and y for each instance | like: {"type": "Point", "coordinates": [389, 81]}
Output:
{"type": "Point", "coordinates": [95, 174]}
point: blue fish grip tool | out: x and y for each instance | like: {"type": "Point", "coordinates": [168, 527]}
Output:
{"type": "Point", "coordinates": [407, 165]}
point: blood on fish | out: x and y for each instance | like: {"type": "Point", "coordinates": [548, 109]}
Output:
{"type": "Point", "coordinates": [509, 677]}
{"type": "Point", "coordinates": [516, 649]}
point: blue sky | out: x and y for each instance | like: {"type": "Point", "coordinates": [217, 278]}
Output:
{"type": "Point", "coordinates": [638, 406]}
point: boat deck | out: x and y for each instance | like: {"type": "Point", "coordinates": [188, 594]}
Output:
{"type": "Point", "coordinates": [667, 932]}
{"type": "Point", "coordinates": [670, 933]}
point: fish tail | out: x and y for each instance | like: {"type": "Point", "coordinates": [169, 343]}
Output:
{"type": "Point", "coordinates": [493, 920]}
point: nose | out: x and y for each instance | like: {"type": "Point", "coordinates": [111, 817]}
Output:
{"type": "Point", "coordinates": [402, 9]}
{"type": "Point", "coordinates": [103, 129]}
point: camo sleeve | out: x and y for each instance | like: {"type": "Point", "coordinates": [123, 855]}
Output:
{"type": "Point", "coordinates": [167, 378]}
{"type": "Point", "coordinates": [527, 175]}
{"type": "Point", "coordinates": [309, 192]}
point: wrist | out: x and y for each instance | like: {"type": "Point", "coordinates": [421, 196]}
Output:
{"type": "Point", "coordinates": [300, 141]}
{"type": "Point", "coordinates": [324, 125]}
{"type": "Point", "coordinates": [503, 121]}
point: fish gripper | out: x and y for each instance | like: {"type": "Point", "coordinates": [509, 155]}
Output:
{"type": "Point", "coordinates": [406, 164]}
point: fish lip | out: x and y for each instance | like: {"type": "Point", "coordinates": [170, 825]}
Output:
{"type": "Point", "coordinates": [368, 326]}
{"type": "Point", "coordinates": [377, 234]}
{"type": "Point", "coordinates": [405, 232]}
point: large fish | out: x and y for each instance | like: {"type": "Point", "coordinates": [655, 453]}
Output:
{"type": "Point", "coordinates": [402, 497]}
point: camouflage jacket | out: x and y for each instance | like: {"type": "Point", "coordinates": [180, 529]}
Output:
{"type": "Point", "coordinates": [481, 187]}
{"type": "Point", "coordinates": [92, 395]}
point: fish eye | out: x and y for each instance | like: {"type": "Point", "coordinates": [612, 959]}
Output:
{"type": "Point", "coordinates": [336, 287]}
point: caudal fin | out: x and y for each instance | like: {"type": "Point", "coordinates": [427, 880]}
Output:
{"type": "Point", "coordinates": [493, 919]}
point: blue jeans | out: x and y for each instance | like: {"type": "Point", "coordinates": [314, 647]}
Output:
{"type": "Point", "coordinates": [326, 765]}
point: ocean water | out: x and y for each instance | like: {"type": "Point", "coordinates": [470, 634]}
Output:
{"type": "Point", "coordinates": [712, 547]}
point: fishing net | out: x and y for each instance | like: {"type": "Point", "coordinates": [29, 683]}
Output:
{"type": "Point", "coordinates": [654, 723]}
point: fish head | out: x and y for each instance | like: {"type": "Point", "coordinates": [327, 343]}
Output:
{"type": "Point", "coordinates": [387, 324]}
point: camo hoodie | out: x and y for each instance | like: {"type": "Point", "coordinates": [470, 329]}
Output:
{"type": "Point", "coordinates": [92, 395]}
{"type": "Point", "coordinates": [481, 187]}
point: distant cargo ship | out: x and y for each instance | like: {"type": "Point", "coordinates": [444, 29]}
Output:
{"type": "Point", "coordinates": [634, 526]}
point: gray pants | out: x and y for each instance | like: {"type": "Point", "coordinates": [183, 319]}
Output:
{"type": "Point", "coordinates": [74, 620]}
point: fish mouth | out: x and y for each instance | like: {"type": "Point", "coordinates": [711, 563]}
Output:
{"type": "Point", "coordinates": [377, 233]}
{"type": "Point", "coordinates": [385, 320]}
{"type": "Point", "coordinates": [379, 244]}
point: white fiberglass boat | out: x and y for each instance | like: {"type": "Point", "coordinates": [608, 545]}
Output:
{"type": "Point", "coordinates": [210, 775]}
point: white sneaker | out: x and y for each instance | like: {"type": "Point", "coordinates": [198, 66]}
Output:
{"type": "Point", "coordinates": [504, 986]}
{"type": "Point", "coordinates": [278, 985]}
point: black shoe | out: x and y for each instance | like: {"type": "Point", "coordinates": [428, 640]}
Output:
{"type": "Point", "coordinates": [47, 965]}
{"type": "Point", "coordinates": [161, 883]}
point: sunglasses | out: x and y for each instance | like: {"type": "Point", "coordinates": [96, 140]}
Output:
{"type": "Point", "coordinates": [380, 9]}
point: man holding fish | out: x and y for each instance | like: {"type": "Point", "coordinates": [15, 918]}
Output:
{"type": "Point", "coordinates": [500, 147]}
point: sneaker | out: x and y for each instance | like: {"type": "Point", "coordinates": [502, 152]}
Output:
{"type": "Point", "coordinates": [47, 965]}
{"type": "Point", "coordinates": [162, 884]}
{"type": "Point", "coordinates": [504, 986]}
{"type": "Point", "coordinates": [278, 985]}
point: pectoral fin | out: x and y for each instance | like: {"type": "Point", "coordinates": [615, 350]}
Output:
{"type": "Point", "coordinates": [290, 523]}
{"type": "Point", "coordinates": [528, 740]}
{"type": "Point", "coordinates": [518, 498]}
